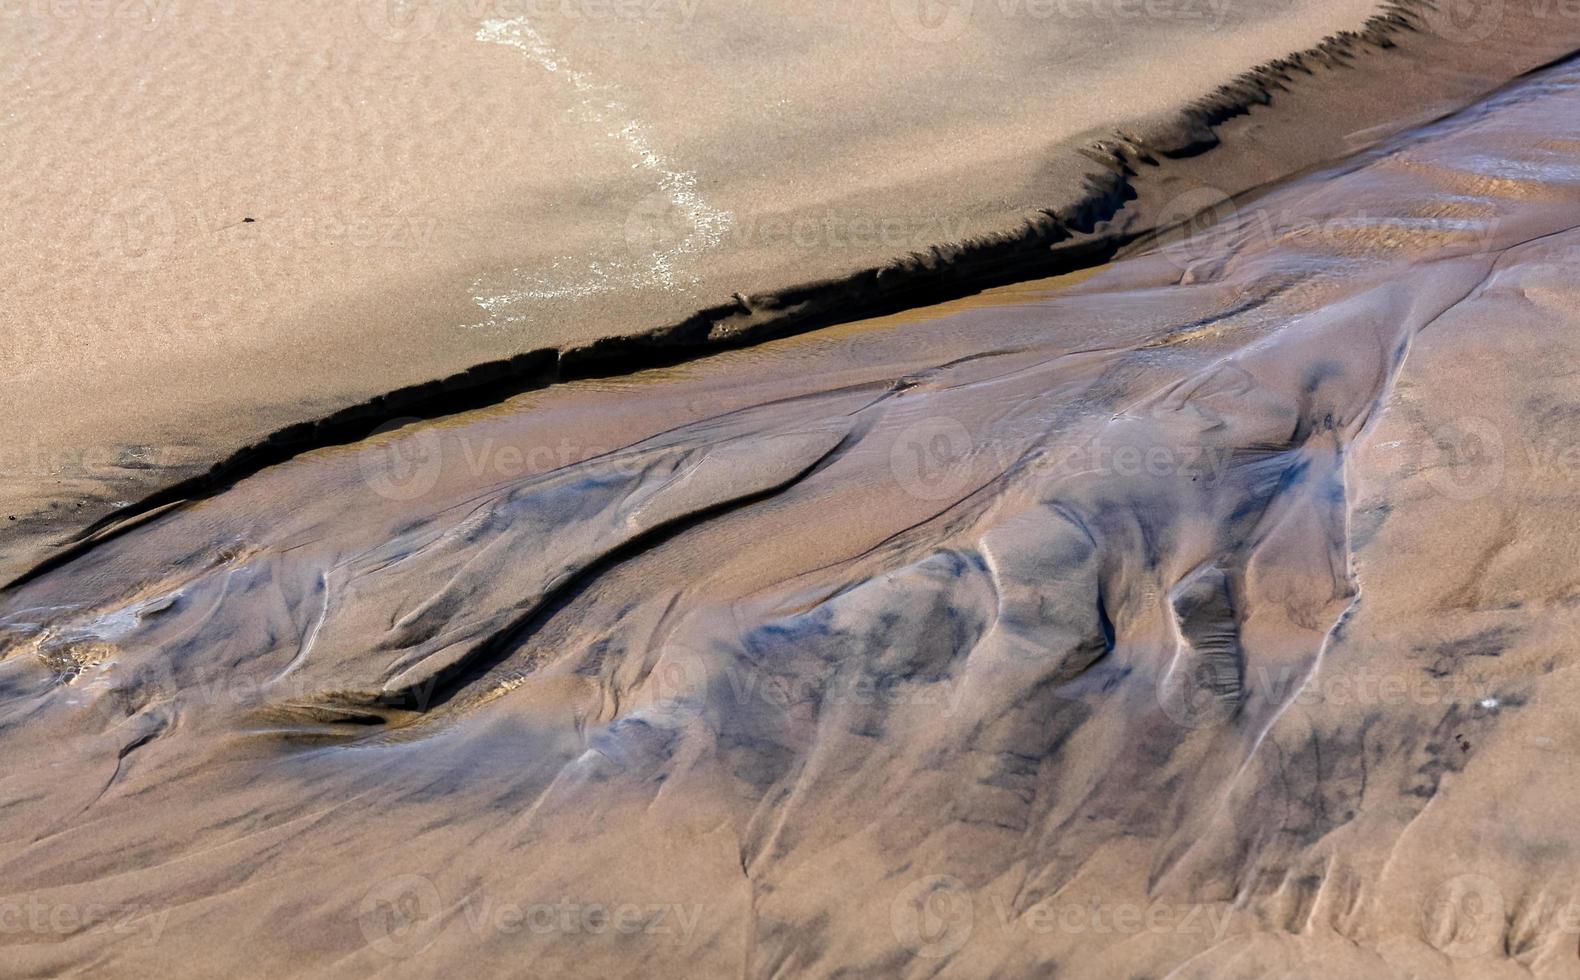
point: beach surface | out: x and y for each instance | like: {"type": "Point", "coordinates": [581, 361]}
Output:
{"type": "Point", "coordinates": [1209, 614]}
{"type": "Point", "coordinates": [224, 219]}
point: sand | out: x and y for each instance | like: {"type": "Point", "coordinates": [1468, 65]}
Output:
{"type": "Point", "coordinates": [1204, 616]}
{"type": "Point", "coordinates": [258, 214]}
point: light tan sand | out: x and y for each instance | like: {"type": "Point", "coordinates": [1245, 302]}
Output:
{"type": "Point", "coordinates": [436, 183]}
{"type": "Point", "coordinates": [1211, 617]}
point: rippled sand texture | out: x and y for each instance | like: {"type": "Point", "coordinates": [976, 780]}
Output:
{"type": "Point", "coordinates": [1208, 618]}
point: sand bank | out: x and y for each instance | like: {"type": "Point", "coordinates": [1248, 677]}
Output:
{"type": "Point", "coordinates": [267, 213]}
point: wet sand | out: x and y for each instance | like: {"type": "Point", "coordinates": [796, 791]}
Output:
{"type": "Point", "coordinates": [1208, 616]}
{"type": "Point", "coordinates": [434, 184]}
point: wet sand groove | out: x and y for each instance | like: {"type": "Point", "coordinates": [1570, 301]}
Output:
{"type": "Point", "coordinates": [1044, 606]}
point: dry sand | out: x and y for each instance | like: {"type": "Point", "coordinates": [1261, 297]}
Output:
{"type": "Point", "coordinates": [1211, 616]}
{"type": "Point", "coordinates": [435, 183]}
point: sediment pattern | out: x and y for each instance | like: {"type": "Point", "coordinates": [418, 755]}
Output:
{"type": "Point", "coordinates": [1168, 626]}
